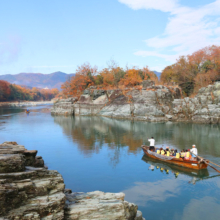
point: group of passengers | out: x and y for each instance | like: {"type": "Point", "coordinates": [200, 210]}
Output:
{"type": "Point", "coordinates": [184, 154]}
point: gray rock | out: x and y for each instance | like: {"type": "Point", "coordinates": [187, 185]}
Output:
{"type": "Point", "coordinates": [169, 117]}
{"type": "Point", "coordinates": [64, 107]}
{"type": "Point", "coordinates": [151, 104]}
{"type": "Point", "coordinates": [99, 205]}
{"type": "Point", "coordinates": [147, 83]}
{"type": "Point", "coordinates": [28, 192]}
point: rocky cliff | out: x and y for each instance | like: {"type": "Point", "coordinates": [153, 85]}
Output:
{"type": "Point", "coordinates": [151, 103]}
{"type": "Point", "coordinates": [203, 108]}
{"type": "Point", "coordinates": [28, 190]}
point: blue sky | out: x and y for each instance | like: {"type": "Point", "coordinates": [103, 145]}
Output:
{"type": "Point", "coordinates": [41, 36]}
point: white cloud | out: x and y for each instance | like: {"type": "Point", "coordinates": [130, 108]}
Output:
{"type": "Point", "coordinates": [159, 191]}
{"type": "Point", "coordinates": [210, 209]}
{"type": "Point", "coordinates": [188, 29]}
{"type": "Point", "coordinates": [162, 5]}
{"type": "Point", "coordinates": [156, 54]}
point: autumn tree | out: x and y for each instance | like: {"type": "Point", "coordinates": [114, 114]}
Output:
{"type": "Point", "coordinates": [194, 71]}
{"type": "Point", "coordinates": [84, 77]}
{"type": "Point", "coordinates": [146, 74]}
{"type": "Point", "coordinates": [131, 78]}
{"type": "Point", "coordinates": [12, 92]}
{"type": "Point", "coordinates": [5, 90]}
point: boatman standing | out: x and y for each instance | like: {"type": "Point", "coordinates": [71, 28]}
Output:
{"type": "Point", "coordinates": [152, 144]}
{"type": "Point", "coordinates": [194, 151]}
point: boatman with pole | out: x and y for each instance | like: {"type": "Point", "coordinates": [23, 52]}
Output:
{"type": "Point", "coordinates": [152, 144]}
{"type": "Point", "coordinates": [194, 152]}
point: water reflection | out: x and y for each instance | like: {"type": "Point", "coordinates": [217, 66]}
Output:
{"type": "Point", "coordinates": [92, 132]}
{"type": "Point", "coordinates": [196, 175]}
{"type": "Point", "coordinates": [104, 154]}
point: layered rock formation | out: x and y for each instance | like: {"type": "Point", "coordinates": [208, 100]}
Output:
{"type": "Point", "coordinates": [152, 103]}
{"type": "Point", "coordinates": [64, 107]}
{"type": "Point", "coordinates": [28, 190]}
{"type": "Point", "coordinates": [203, 108]}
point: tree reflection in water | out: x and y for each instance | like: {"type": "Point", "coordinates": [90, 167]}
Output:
{"type": "Point", "coordinates": [92, 133]}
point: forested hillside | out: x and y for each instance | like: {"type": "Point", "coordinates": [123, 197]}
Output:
{"type": "Point", "coordinates": [12, 92]}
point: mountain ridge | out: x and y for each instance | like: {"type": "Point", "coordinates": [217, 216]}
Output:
{"type": "Point", "coordinates": [39, 80]}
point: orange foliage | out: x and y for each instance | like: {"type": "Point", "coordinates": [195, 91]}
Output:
{"type": "Point", "coordinates": [194, 71]}
{"type": "Point", "coordinates": [132, 78]}
{"type": "Point", "coordinates": [149, 75]}
{"type": "Point", "coordinates": [4, 90]}
{"type": "Point", "coordinates": [108, 78]}
{"type": "Point", "coordinates": [9, 92]}
{"type": "Point", "coordinates": [83, 78]}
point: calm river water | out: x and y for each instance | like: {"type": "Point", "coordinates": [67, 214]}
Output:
{"type": "Point", "coordinates": [104, 154]}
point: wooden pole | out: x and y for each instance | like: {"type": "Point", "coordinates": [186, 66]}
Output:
{"type": "Point", "coordinates": [203, 160]}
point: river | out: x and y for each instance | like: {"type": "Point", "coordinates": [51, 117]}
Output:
{"type": "Point", "coordinates": [97, 153]}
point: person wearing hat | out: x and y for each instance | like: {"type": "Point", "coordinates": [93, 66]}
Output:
{"type": "Point", "coordinates": [194, 151]}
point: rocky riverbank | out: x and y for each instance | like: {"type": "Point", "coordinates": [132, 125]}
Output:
{"type": "Point", "coordinates": [28, 190]}
{"type": "Point", "coordinates": [151, 103]}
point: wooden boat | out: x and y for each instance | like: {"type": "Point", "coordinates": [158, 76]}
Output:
{"type": "Point", "coordinates": [192, 164]}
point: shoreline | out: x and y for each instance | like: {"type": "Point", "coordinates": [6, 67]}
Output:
{"type": "Point", "coordinates": [25, 103]}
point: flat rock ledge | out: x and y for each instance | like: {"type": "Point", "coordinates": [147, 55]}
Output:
{"type": "Point", "coordinates": [29, 191]}
{"type": "Point", "coordinates": [100, 205]}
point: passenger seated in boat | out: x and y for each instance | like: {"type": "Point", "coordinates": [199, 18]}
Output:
{"type": "Point", "coordinates": [162, 152]}
{"type": "Point", "coordinates": [158, 151]}
{"type": "Point", "coordinates": [174, 153]}
{"type": "Point", "coordinates": [187, 156]}
{"type": "Point", "coordinates": [182, 154]}
{"type": "Point", "coordinates": [177, 155]}
{"type": "Point", "coordinates": [168, 153]}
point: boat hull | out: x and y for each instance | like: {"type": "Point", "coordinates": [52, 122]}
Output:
{"type": "Point", "coordinates": [176, 161]}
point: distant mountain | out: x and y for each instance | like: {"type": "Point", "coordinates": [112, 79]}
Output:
{"type": "Point", "coordinates": [157, 73]}
{"type": "Point", "coordinates": [39, 80]}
